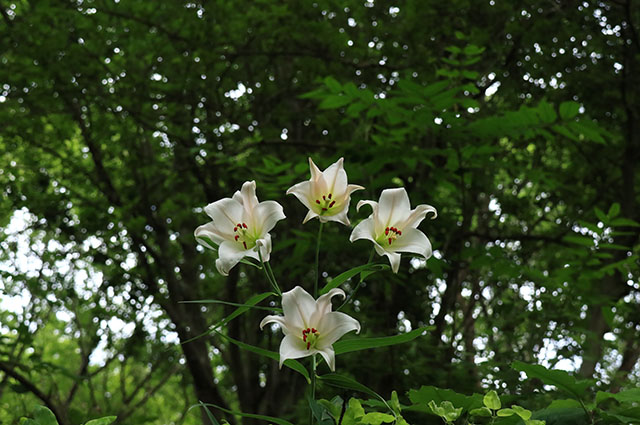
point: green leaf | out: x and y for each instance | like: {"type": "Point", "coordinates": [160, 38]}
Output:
{"type": "Point", "coordinates": [277, 421]}
{"type": "Point", "coordinates": [366, 270]}
{"type": "Point", "coordinates": [481, 411]}
{"type": "Point", "coordinates": [341, 381]}
{"type": "Point", "coordinates": [428, 393]}
{"type": "Point", "coordinates": [569, 110]}
{"type": "Point", "coordinates": [353, 413]}
{"type": "Point", "coordinates": [334, 101]}
{"type": "Point", "coordinates": [27, 421]}
{"type": "Point", "coordinates": [290, 363]}
{"type": "Point", "coordinates": [357, 344]}
{"type": "Point", "coordinates": [579, 240]}
{"type": "Point", "coordinates": [207, 242]}
{"type": "Point", "coordinates": [614, 210]}
{"type": "Point", "coordinates": [445, 410]}
{"type": "Point", "coordinates": [333, 406]}
{"type": "Point", "coordinates": [333, 84]}
{"type": "Point", "coordinates": [491, 400]}
{"type": "Point", "coordinates": [600, 214]}
{"type": "Point", "coordinates": [522, 412]}
{"type": "Point", "coordinates": [237, 312]}
{"type": "Point", "coordinates": [212, 418]}
{"type": "Point", "coordinates": [276, 309]}
{"type": "Point", "coordinates": [617, 247]}
{"type": "Point", "coordinates": [568, 416]}
{"type": "Point", "coordinates": [44, 416]}
{"type": "Point", "coordinates": [244, 308]}
{"type": "Point", "coordinates": [395, 402]}
{"type": "Point", "coordinates": [620, 222]}
{"type": "Point", "coordinates": [104, 421]}
{"type": "Point", "coordinates": [558, 378]}
{"type": "Point", "coordinates": [546, 112]}
{"type": "Point", "coordinates": [625, 415]}
{"type": "Point", "coordinates": [377, 418]}
{"type": "Point", "coordinates": [505, 412]}
{"type": "Point", "coordinates": [632, 395]}
{"type": "Point", "coordinates": [320, 412]}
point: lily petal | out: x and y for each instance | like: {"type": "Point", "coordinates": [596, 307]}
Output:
{"type": "Point", "coordinates": [298, 306]}
{"type": "Point", "coordinates": [302, 191]}
{"type": "Point", "coordinates": [292, 347]}
{"type": "Point", "coordinates": [364, 230]}
{"type": "Point", "coordinates": [394, 207]}
{"type": "Point", "coordinates": [264, 245]}
{"type": "Point", "coordinates": [418, 214]}
{"type": "Point", "coordinates": [210, 231]}
{"type": "Point", "coordinates": [335, 176]}
{"type": "Point", "coordinates": [329, 356]}
{"type": "Point", "coordinates": [275, 319]}
{"type": "Point", "coordinates": [341, 217]}
{"type": "Point", "coordinates": [229, 254]}
{"type": "Point", "coordinates": [311, 214]}
{"type": "Point", "coordinates": [247, 196]}
{"type": "Point", "coordinates": [315, 171]}
{"type": "Point", "coordinates": [333, 325]}
{"type": "Point", "coordinates": [394, 260]}
{"type": "Point", "coordinates": [267, 214]}
{"type": "Point", "coordinates": [323, 304]}
{"type": "Point", "coordinates": [413, 240]}
{"type": "Point", "coordinates": [373, 204]}
{"type": "Point", "coordinates": [225, 213]}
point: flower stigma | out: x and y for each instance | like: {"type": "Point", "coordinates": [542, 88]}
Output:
{"type": "Point", "coordinates": [325, 204]}
{"type": "Point", "coordinates": [390, 235]}
{"type": "Point", "coordinates": [242, 235]}
{"type": "Point", "coordinates": [310, 336]}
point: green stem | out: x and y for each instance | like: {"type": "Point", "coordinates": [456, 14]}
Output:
{"type": "Point", "coordinates": [315, 285]}
{"type": "Point", "coordinates": [272, 280]}
{"type": "Point", "coordinates": [313, 387]}
{"type": "Point", "coordinates": [360, 280]}
{"type": "Point", "coordinates": [273, 277]}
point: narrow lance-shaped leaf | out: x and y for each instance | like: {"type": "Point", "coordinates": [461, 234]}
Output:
{"type": "Point", "coordinates": [341, 381]}
{"type": "Point", "coordinates": [290, 363]}
{"type": "Point", "coordinates": [237, 312]}
{"type": "Point", "coordinates": [357, 344]}
{"type": "Point", "coordinates": [558, 378]}
{"type": "Point", "coordinates": [269, 419]}
{"type": "Point", "coordinates": [366, 269]}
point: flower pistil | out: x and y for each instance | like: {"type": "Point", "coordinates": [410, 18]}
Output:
{"type": "Point", "coordinates": [242, 235]}
{"type": "Point", "coordinates": [310, 336]}
{"type": "Point", "coordinates": [390, 234]}
{"type": "Point", "coordinates": [326, 204]}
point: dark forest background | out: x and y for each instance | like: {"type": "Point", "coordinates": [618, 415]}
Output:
{"type": "Point", "coordinates": [120, 120]}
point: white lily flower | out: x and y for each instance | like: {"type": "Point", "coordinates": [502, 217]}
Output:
{"type": "Point", "coordinates": [392, 227]}
{"type": "Point", "coordinates": [309, 326]}
{"type": "Point", "coordinates": [240, 227]}
{"type": "Point", "coordinates": [326, 194]}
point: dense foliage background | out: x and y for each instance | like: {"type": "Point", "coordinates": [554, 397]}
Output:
{"type": "Point", "coordinates": [120, 120]}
